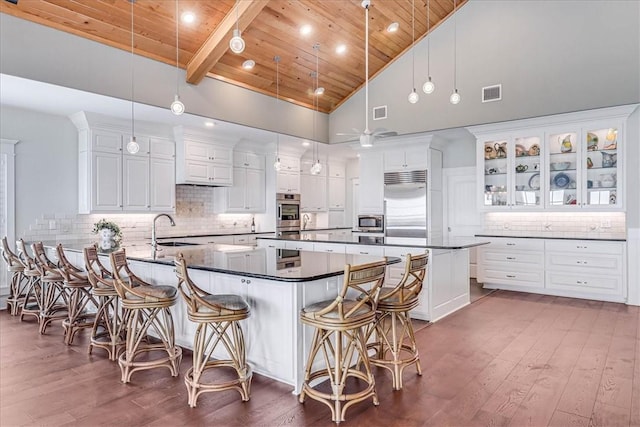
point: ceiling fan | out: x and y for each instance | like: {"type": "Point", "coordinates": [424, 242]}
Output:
{"type": "Point", "coordinates": [367, 137]}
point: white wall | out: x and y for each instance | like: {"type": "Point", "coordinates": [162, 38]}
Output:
{"type": "Point", "coordinates": [44, 54]}
{"type": "Point", "coordinates": [550, 57]}
{"type": "Point", "coordinates": [46, 163]}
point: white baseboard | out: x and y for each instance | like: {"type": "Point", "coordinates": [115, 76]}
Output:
{"type": "Point", "coordinates": [633, 266]}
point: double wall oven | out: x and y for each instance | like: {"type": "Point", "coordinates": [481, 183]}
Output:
{"type": "Point", "coordinates": [288, 214]}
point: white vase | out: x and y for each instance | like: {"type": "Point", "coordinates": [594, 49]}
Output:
{"type": "Point", "coordinates": [107, 239]}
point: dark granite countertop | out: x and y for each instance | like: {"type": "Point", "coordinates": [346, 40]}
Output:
{"type": "Point", "coordinates": [602, 239]}
{"type": "Point", "coordinates": [359, 239]}
{"type": "Point", "coordinates": [215, 258]}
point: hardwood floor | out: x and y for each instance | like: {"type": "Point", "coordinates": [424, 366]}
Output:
{"type": "Point", "coordinates": [509, 359]}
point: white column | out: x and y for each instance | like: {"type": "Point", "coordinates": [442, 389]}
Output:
{"type": "Point", "coordinates": [7, 206]}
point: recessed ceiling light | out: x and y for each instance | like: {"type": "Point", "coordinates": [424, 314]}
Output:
{"type": "Point", "coordinates": [319, 91]}
{"type": "Point", "coordinates": [209, 124]}
{"type": "Point", "coordinates": [393, 27]}
{"type": "Point", "coordinates": [188, 17]}
{"type": "Point", "coordinates": [341, 48]}
{"type": "Point", "coordinates": [248, 64]}
{"type": "Point", "coordinates": [306, 143]}
{"type": "Point", "coordinates": [305, 30]}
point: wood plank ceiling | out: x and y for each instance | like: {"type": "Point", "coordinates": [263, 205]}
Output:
{"type": "Point", "coordinates": [269, 28]}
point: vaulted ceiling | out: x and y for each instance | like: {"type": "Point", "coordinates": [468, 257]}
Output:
{"type": "Point", "coordinates": [269, 27]}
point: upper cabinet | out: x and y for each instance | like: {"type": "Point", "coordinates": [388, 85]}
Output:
{"type": "Point", "coordinates": [564, 162]}
{"type": "Point", "coordinates": [247, 195]}
{"type": "Point", "coordinates": [113, 179]}
{"type": "Point", "coordinates": [288, 177]}
{"type": "Point", "coordinates": [203, 159]}
{"type": "Point", "coordinates": [313, 188]}
{"type": "Point", "coordinates": [415, 158]}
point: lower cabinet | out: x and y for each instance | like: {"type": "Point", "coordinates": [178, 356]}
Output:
{"type": "Point", "coordinates": [573, 268]}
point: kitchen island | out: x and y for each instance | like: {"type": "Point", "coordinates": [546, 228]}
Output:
{"type": "Point", "coordinates": [277, 342]}
{"type": "Point", "coordinates": [446, 288]}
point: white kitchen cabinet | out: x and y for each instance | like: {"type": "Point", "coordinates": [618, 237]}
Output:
{"type": "Point", "coordinates": [415, 158]}
{"type": "Point", "coordinates": [106, 183]}
{"type": "Point", "coordinates": [288, 177]}
{"type": "Point", "coordinates": [337, 193]}
{"type": "Point", "coordinates": [135, 183]}
{"type": "Point", "coordinates": [337, 170]}
{"type": "Point", "coordinates": [242, 159]}
{"type": "Point", "coordinates": [564, 162]}
{"type": "Point", "coordinates": [247, 194]}
{"type": "Point", "coordinates": [205, 173]}
{"type": "Point", "coordinates": [105, 141]}
{"type": "Point", "coordinates": [202, 159]}
{"type": "Point", "coordinates": [395, 272]}
{"type": "Point", "coordinates": [364, 250]}
{"type": "Point", "coordinates": [586, 269]}
{"type": "Point", "coordinates": [329, 247]}
{"type": "Point", "coordinates": [313, 193]}
{"type": "Point", "coordinates": [371, 192]}
{"type": "Point", "coordinates": [512, 261]}
{"type": "Point", "coordinates": [162, 193]}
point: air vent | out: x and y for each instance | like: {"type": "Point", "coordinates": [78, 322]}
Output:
{"type": "Point", "coordinates": [380, 113]}
{"type": "Point", "coordinates": [492, 93]}
{"type": "Point", "coordinates": [409, 177]}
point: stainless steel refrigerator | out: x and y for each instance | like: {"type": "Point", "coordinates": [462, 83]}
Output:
{"type": "Point", "coordinates": [405, 204]}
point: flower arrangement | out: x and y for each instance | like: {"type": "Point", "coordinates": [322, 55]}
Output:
{"type": "Point", "coordinates": [103, 224]}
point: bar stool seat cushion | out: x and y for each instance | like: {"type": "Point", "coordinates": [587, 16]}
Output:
{"type": "Point", "coordinates": [81, 280]}
{"type": "Point", "coordinates": [311, 310]}
{"type": "Point", "coordinates": [152, 293]}
{"type": "Point", "coordinates": [16, 267]}
{"type": "Point", "coordinates": [226, 302]}
{"type": "Point", "coordinates": [386, 298]}
{"type": "Point", "coordinates": [52, 277]}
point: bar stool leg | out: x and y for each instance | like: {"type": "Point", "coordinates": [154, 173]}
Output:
{"type": "Point", "coordinates": [78, 315]}
{"type": "Point", "coordinates": [16, 297]}
{"type": "Point", "coordinates": [108, 327]}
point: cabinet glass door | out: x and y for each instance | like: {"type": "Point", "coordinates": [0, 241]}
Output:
{"type": "Point", "coordinates": [495, 173]}
{"type": "Point", "coordinates": [527, 170]}
{"type": "Point", "coordinates": [601, 165]}
{"type": "Point", "coordinates": [563, 168]}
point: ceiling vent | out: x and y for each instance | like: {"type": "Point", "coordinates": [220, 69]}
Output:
{"type": "Point", "coordinates": [380, 113]}
{"type": "Point", "coordinates": [492, 93]}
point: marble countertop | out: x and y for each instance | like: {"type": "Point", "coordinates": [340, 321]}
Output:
{"type": "Point", "coordinates": [215, 258]}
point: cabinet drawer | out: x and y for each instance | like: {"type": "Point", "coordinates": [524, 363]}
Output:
{"type": "Point", "coordinates": [364, 250]}
{"type": "Point", "coordinates": [522, 278]}
{"type": "Point", "coordinates": [599, 264]}
{"type": "Point", "coordinates": [585, 246]}
{"type": "Point", "coordinates": [244, 240]}
{"type": "Point", "coordinates": [585, 282]}
{"type": "Point", "coordinates": [514, 257]}
{"type": "Point", "coordinates": [328, 247]}
{"type": "Point", "coordinates": [516, 244]}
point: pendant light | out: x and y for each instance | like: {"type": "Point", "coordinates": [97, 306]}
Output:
{"type": "Point", "coordinates": [455, 97]}
{"type": "Point", "coordinates": [132, 146]}
{"type": "Point", "coordinates": [428, 87]}
{"type": "Point", "coordinates": [236, 44]}
{"type": "Point", "coordinates": [413, 96]}
{"type": "Point", "coordinates": [177, 107]}
{"type": "Point", "coordinates": [316, 168]}
{"type": "Point", "coordinates": [277, 165]}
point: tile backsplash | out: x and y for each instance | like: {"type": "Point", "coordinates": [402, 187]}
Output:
{"type": "Point", "coordinates": [557, 224]}
{"type": "Point", "coordinates": [194, 215]}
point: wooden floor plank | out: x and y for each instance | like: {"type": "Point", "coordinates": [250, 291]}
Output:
{"type": "Point", "coordinates": [510, 358]}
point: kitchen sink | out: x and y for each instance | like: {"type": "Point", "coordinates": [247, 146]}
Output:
{"type": "Point", "coordinates": [176, 244]}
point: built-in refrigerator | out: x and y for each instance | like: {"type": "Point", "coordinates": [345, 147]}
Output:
{"type": "Point", "coordinates": [405, 204]}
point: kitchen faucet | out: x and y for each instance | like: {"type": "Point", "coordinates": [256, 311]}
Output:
{"type": "Point", "coordinates": [305, 220]}
{"type": "Point", "coordinates": [154, 243]}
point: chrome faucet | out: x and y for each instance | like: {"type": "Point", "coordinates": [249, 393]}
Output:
{"type": "Point", "coordinates": [305, 221]}
{"type": "Point", "coordinates": [154, 243]}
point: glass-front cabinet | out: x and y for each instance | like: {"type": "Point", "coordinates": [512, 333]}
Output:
{"type": "Point", "coordinates": [583, 166]}
{"type": "Point", "coordinates": [563, 162]}
{"type": "Point", "coordinates": [511, 172]}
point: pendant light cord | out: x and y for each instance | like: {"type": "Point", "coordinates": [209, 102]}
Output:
{"type": "Point", "coordinates": [366, 68]}
{"type": "Point", "coordinates": [133, 132]}
{"type": "Point", "coordinates": [428, 40]}
{"type": "Point", "coordinates": [455, 55]}
{"type": "Point", "coordinates": [277, 60]}
{"type": "Point", "coordinates": [413, 41]}
{"type": "Point", "coordinates": [177, 53]}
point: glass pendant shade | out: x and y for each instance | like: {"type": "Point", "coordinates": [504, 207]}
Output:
{"type": "Point", "coordinates": [277, 165]}
{"type": "Point", "coordinates": [236, 44]}
{"type": "Point", "coordinates": [413, 97]}
{"type": "Point", "coordinates": [428, 87]}
{"type": "Point", "coordinates": [316, 168]}
{"type": "Point", "coordinates": [177, 107]}
{"type": "Point", "coordinates": [132, 146]}
{"type": "Point", "coordinates": [455, 97]}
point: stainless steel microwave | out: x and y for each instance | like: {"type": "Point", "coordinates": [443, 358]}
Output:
{"type": "Point", "coordinates": [371, 223]}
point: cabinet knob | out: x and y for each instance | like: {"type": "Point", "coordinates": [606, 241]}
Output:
{"type": "Point", "coordinates": [510, 258]}
{"type": "Point", "coordinates": [511, 244]}
{"type": "Point", "coordinates": [248, 282]}
{"type": "Point", "coordinates": [242, 280]}
{"type": "Point", "coordinates": [511, 276]}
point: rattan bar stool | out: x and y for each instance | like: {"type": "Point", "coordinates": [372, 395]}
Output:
{"type": "Point", "coordinates": [218, 318]}
{"type": "Point", "coordinates": [108, 330]}
{"type": "Point", "coordinates": [395, 342]}
{"type": "Point", "coordinates": [53, 298]}
{"type": "Point", "coordinates": [82, 306]}
{"type": "Point", "coordinates": [340, 337]}
{"type": "Point", "coordinates": [149, 311]}
{"type": "Point", "coordinates": [33, 291]}
{"type": "Point", "coordinates": [17, 281]}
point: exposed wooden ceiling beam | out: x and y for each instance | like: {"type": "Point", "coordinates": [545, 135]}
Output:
{"type": "Point", "coordinates": [218, 41]}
